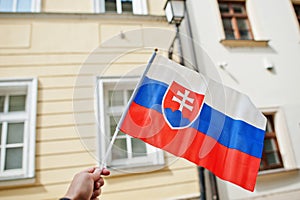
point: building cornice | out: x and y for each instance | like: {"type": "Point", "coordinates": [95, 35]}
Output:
{"type": "Point", "coordinates": [82, 16]}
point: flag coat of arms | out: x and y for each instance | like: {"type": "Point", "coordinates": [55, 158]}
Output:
{"type": "Point", "coordinates": [181, 106]}
{"type": "Point", "coordinates": [199, 119]}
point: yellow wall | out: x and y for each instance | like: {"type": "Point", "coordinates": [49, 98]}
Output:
{"type": "Point", "coordinates": [54, 48]}
{"type": "Point", "coordinates": [156, 7]}
{"type": "Point", "coordinates": [68, 6]}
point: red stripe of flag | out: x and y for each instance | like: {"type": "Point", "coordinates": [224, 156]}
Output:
{"type": "Point", "coordinates": [229, 164]}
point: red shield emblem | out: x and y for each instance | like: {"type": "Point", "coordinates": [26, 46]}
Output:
{"type": "Point", "coordinates": [181, 106]}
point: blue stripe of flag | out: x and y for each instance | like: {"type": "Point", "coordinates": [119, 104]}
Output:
{"type": "Point", "coordinates": [234, 134]}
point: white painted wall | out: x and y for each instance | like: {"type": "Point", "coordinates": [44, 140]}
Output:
{"type": "Point", "coordinates": [275, 21]}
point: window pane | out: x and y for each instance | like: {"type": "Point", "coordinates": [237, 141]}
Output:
{"type": "Point", "coordinates": [229, 33]}
{"type": "Point", "coordinates": [2, 103]}
{"type": "Point", "coordinates": [270, 145]}
{"type": "Point", "coordinates": [24, 5]}
{"type": "Point", "coordinates": [242, 24]}
{"type": "Point", "coordinates": [273, 158]}
{"type": "Point", "coordinates": [14, 158]}
{"type": "Point", "coordinates": [119, 149]}
{"type": "Point", "coordinates": [261, 165]}
{"type": "Point", "coordinates": [269, 128]}
{"type": "Point", "coordinates": [243, 29]}
{"type": "Point", "coordinates": [113, 124]}
{"type": "Point", "coordinates": [126, 5]}
{"type": "Point", "coordinates": [224, 8]}
{"type": "Point", "coordinates": [129, 93]}
{"type": "Point", "coordinates": [110, 5]}
{"type": "Point", "coordinates": [297, 9]}
{"type": "Point", "coordinates": [6, 5]}
{"type": "Point", "coordinates": [138, 147]}
{"type": "Point", "coordinates": [245, 35]}
{"type": "Point", "coordinates": [15, 133]}
{"type": "Point", "coordinates": [227, 23]}
{"type": "Point", "coordinates": [115, 98]}
{"type": "Point", "coordinates": [17, 103]}
{"type": "Point", "coordinates": [113, 121]}
{"type": "Point", "coordinates": [238, 8]}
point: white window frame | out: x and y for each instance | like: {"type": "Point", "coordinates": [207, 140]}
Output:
{"type": "Point", "coordinates": [139, 7]}
{"type": "Point", "coordinates": [155, 156]}
{"type": "Point", "coordinates": [35, 6]}
{"type": "Point", "coordinates": [28, 87]}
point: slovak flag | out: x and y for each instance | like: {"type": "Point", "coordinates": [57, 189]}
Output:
{"type": "Point", "coordinates": [199, 119]}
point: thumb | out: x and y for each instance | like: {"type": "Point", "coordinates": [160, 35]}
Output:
{"type": "Point", "coordinates": [96, 174]}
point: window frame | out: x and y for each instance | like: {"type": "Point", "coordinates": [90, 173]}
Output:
{"type": "Point", "coordinates": [35, 6]}
{"type": "Point", "coordinates": [281, 117]}
{"type": "Point", "coordinates": [29, 87]}
{"type": "Point", "coordinates": [272, 136]}
{"type": "Point", "coordinates": [155, 156]}
{"type": "Point", "coordinates": [139, 7]}
{"type": "Point", "coordinates": [234, 17]}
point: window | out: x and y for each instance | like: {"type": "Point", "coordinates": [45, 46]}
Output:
{"type": "Point", "coordinates": [20, 5]}
{"type": "Point", "coordinates": [235, 20]}
{"type": "Point", "coordinates": [297, 10]}
{"type": "Point", "coordinates": [271, 157]}
{"type": "Point", "coordinates": [17, 128]}
{"type": "Point", "coordinates": [127, 151]}
{"type": "Point", "coordinates": [121, 6]}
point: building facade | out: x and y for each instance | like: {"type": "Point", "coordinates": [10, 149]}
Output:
{"type": "Point", "coordinates": [67, 69]}
{"type": "Point", "coordinates": [253, 47]}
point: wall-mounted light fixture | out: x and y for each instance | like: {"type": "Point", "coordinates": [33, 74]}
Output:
{"type": "Point", "coordinates": [174, 10]}
{"type": "Point", "coordinates": [222, 65]}
{"type": "Point", "coordinates": [268, 65]}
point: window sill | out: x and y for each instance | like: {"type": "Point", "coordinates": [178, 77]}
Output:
{"type": "Point", "coordinates": [16, 182]}
{"type": "Point", "coordinates": [245, 43]}
{"type": "Point", "coordinates": [275, 171]}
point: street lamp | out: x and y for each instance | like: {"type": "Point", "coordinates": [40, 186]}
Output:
{"type": "Point", "coordinates": [174, 10]}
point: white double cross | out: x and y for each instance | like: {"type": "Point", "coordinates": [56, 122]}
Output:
{"type": "Point", "coordinates": [183, 100]}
